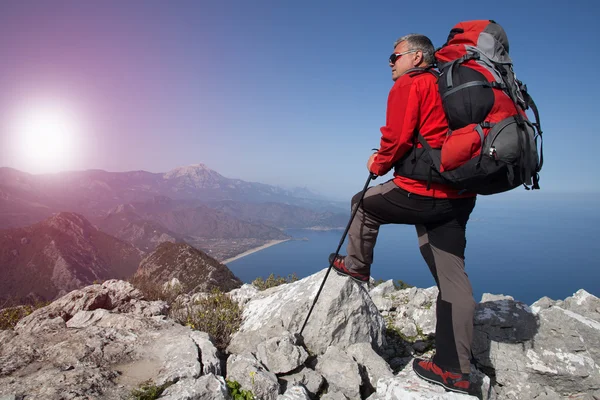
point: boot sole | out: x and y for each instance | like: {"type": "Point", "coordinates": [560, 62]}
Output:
{"type": "Point", "coordinates": [340, 273]}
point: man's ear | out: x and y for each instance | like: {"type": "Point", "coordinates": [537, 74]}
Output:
{"type": "Point", "coordinates": [418, 60]}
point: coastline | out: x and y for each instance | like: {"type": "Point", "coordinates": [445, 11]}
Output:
{"type": "Point", "coordinates": [254, 250]}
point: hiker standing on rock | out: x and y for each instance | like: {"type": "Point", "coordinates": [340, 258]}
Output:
{"type": "Point", "coordinates": [439, 212]}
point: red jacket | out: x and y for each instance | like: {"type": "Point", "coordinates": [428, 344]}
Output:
{"type": "Point", "coordinates": [414, 105]}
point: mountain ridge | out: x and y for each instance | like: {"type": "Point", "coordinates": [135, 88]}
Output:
{"type": "Point", "coordinates": [26, 198]}
{"type": "Point", "coordinates": [60, 254]}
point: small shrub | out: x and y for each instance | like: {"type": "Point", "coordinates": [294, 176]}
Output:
{"type": "Point", "coordinates": [273, 281]}
{"type": "Point", "coordinates": [217, 314]}
{"type": "Point", "coordinates": [237, 393]}
{"type": "Point", "coordinates": [148, 391]}
{"type": "Point", "coordinates": [9, 317]}
{"type": "Point", "coordinates": [399, 285]}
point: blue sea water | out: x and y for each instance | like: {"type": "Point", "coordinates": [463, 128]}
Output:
{"type": "Point", "coordinates": [527, 246]}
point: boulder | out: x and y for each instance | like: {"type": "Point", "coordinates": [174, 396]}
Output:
{"type": "Point", "coordinates": [343, 315]}
{"type": "Point", "coordinates": [340, 371]}
{"type": "Point", "coordinates": [281, 354]}
{"type": "Point", "coordinates": [368, 360]}
{"type": "Point", "coordinates": [306, 377]}
{"type": "Point", "coordinates": [207, 387]}
{"type": "Point", "coordinates": [294, 393]}
{"type": "Point", "coordinates": [553, 351]}
{"type": "Point", "coordinates": [253, 376]}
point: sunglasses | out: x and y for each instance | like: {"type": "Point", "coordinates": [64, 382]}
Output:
{"type": "Point", "coordinates": [395, 56]}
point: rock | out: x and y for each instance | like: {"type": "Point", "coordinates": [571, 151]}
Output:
{"type": "Point", "coordinates": [146, 308]}
{"type": "Point", "coordinates": [409, 329]}
{"type": "Point", "coordinates": [494, 297]}
{"type": "Point", "coordinates": [382, 295]}
{"type": "Point", "coordinates": [555, 350]}
{"type": "Point", "coordinates": [420, 346]}
{"type": "Point", "coordinates": [183, 360]}
{"type": "Point", "coordinates": [207, 387]}
{"type": "Point", "coordinates": [310, 379]}
{"type": "Point", "coordinates": [340, 371]}
{"type": "Point", "coordinates": [252, 376]}
{"type": "Point", "coordinates": [244, 294]}
{"type": "Point", "coordinates": [343, 315]}
{"type": "Point", "coordinates": [414, 314]}
{"type": "Point", "coordinates": [376, 368]}
{"type": "Point", "coordinates": [294, 393]}
{"type": "Point", "coordinates": [211, 363]}
{"type": "Point", "coordinates": [585, 304]}
{"type": "Point", "coordinates": [281, 354]}
{"type": "Point", "coordinates": [542, 304]}
{"type": "Point", "coordinates": [110, 295]}
{"type": "Point", "coordinates": [565, 354]}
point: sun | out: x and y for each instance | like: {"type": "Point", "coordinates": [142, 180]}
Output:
{"type": "Point", "coordinates": [45, 134]}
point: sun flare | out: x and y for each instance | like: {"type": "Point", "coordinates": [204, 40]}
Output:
{"type": "Point", "coordinates": [46, 135]}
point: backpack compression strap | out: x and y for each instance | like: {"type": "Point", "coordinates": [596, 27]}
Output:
{"type": "Point", "coordinates": [450, 73]}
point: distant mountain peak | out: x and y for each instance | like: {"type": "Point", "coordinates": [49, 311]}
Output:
{"type": "Point", "coordinates": [191, 171]}
{"type": "Point", "coordinates": [197, 176]}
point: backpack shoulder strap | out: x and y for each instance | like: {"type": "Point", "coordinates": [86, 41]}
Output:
{"type": "Point", "coordinates": [420, 70]}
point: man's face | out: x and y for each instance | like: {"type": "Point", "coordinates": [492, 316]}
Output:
{"type": "Point", "coordinates": [404, 62]}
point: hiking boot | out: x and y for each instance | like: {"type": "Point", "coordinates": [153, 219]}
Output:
{"type": "Point", "coordinates": [452, 381]}
{"type": "Point", "coordinates": [339, 264]}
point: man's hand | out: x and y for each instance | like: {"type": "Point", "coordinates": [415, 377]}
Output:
{"type": "Point", "coordinates": [370, 162]}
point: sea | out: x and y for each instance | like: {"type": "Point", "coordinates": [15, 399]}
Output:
{"type": "Point", "coordinates": [527, 246]}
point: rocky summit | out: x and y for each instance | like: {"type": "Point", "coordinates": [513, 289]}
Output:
{"type": "Point", "coordinates": [104, 341]}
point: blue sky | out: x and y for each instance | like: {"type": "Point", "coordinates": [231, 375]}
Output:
{"type": "Point", "coordinates": [280, 92]}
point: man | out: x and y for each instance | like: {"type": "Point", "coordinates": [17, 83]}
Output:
{"type": "Point", "coordinates": [439, 212]}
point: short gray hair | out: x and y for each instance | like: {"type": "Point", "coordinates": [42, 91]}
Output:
{"type": "Point", "coordinates": [416, 41]}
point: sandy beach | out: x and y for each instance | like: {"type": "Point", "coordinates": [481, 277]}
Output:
{"type": "Point", "coordinates": [254, 250]}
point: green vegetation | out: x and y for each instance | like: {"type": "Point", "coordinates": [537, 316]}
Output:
{"type": "Point", "coordinates": [399, 285]}
{"type": "Point", "coordinates": [392, 330]}
{"type": "Point", "coordinates": [217, 314]}
{"type": "Point", "coordinates": [273, 281]}
{"type": "Point", "coordinates": [11, 315]}
{"type": "Point", "coordinates": [148, 391]}
{"type": "Point", "coordinates": [237, 393]}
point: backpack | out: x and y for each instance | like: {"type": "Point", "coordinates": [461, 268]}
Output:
{"type": "Point", "coordinates": [491, 146]}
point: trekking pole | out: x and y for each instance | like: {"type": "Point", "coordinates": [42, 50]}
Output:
{"type": "Point", "coordinates": [371, 177]}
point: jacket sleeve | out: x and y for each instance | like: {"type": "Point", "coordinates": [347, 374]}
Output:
{"type": "Point", "coordinates": [402, 118]}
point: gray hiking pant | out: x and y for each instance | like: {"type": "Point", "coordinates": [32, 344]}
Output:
{"type": "Point", "coordinates": [440, 225]}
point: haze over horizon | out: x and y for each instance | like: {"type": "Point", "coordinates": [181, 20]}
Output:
{"type": "Point", "coordinates": [287, 94]}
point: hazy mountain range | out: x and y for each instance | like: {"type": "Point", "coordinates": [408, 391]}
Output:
{"type": "Point", "coordinates": [27, 198]}
{"type": "Point", "coordinates": [59, 232]}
